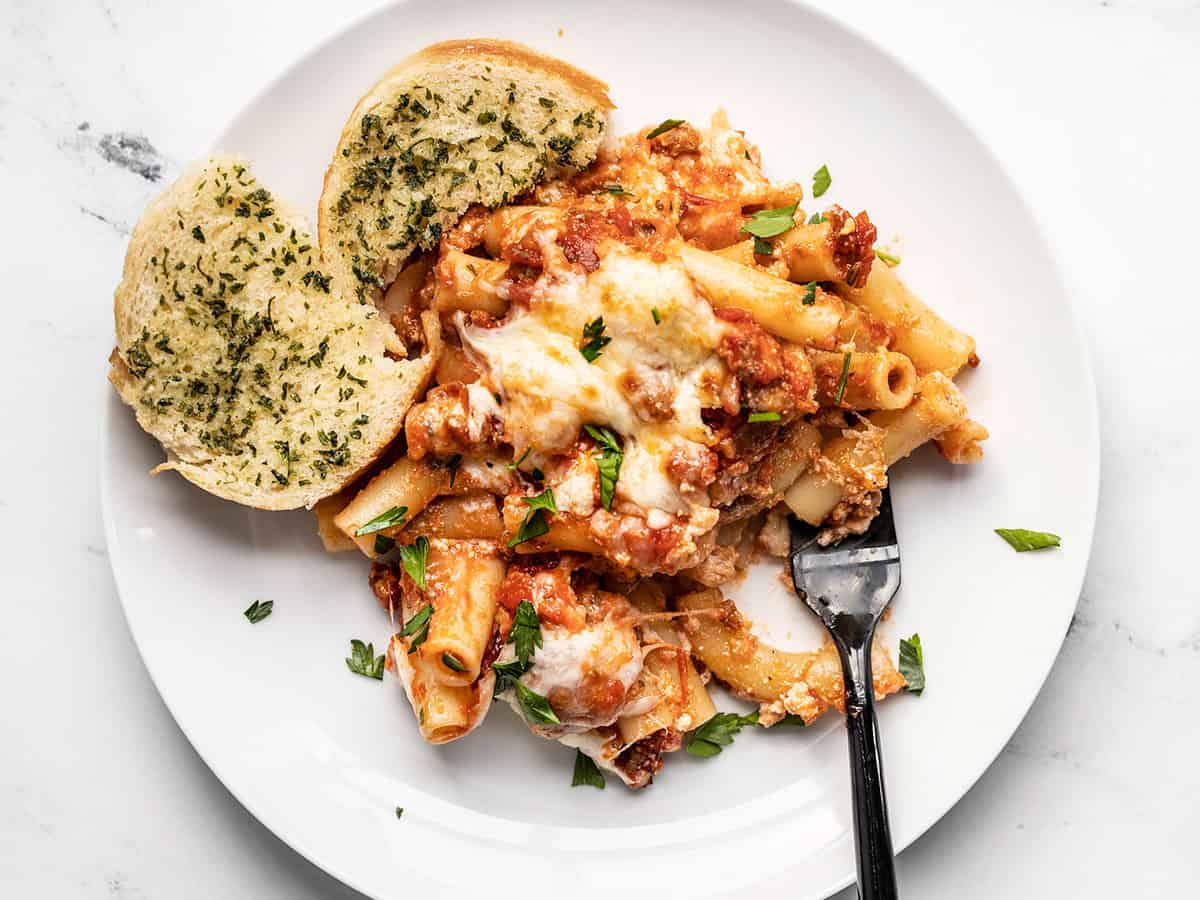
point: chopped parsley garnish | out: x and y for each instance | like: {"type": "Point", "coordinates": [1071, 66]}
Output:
{"type": "Point", "coordinates": [534, 524]}
{"type": "Point", "coordinates": [383, 543]}
{"type": "Point", "coordinates": [718, 732]}
{"type": "Point", "coordinates": [198, 234]}
{"type": "Point", "coordinates": [608, 462]}
{"type": "Point", "coordinates": [887, 258]}
{"type": "Point", "coordinates": [258, 610]}
{"type": "Point", "coordinates": [594, 339]}
{"type": "Point", "coordinates": [821, 181]}
{"type": "Point", "coordinates": [507, 675]}
{"type": "Point", "coordinates": [763, 247]}
{"type": "Point", "coordinates": [1022, 539]}
{"type": "Point", "coordinates": [770, 222]}
{"type": "Point", "coordinates": [517, 463]}
{"type": "Point", "coordinates": [912, 664]}
{"type": "Point", "coordinates": [841, 388]}
{"type": "Point", "coordinates": [617, 191]}
{"type": "Point", "coordinates": [526, 632]}
{"type": "Point", "coordinates": [810, 294]}
{"type": "Point", "coordinates": [363, 661]}
{"type": "Point", "coordinates": [663, 127]}
{"type": "Point", "coordinates": [535, 707]}
{"type": "Point", "coordinates": [655, 315]}
{"type": "Point", "coordinates": [764, 417]}
{"type": "Point", "coordinates": [586, 772]}
{"type": "Point", "coordinates": [816, 218]}
{"type": "Point", "coordinates": [399, 811]}
{"type": "Point", "coordinates": [417, 627]}
{"type": "Point", "coordinates": [452, 662]}
{"type": "Point", "coordinates": [413, 558]}
{"type": "Point", "coordinates": [452, 465]}
{"type": "Point", "coordinates": [391, 517]}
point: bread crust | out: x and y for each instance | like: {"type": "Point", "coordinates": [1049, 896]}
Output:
{"type": "Point", "coordinates": [508, 52]}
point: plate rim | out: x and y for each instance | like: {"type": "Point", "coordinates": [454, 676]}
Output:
{"type": "Point", "coordinates": [1072, 309]}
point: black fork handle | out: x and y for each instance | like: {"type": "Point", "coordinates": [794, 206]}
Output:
{"type": "Point", "coordinates": [872, 835]}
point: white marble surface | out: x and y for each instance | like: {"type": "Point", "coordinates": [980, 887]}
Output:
{"type": "Point", "coordinates": [1095, 109]}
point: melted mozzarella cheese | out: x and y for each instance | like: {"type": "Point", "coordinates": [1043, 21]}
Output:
{"type": "Point", "coordinates": [483, 408]}
{"type": "Point", "coordinates": [727, 148]}
{"type": "Point", "coordinates": [575, 491]}
{"type": "Point", "coordinates": [550, 390]}
{"type": "Point", "coordinates": [565, 659]}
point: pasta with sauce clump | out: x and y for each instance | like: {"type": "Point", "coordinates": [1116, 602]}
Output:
{"type": "Point", "coordinates": [642, 369]}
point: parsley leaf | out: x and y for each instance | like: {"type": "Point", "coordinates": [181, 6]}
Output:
{"type": "Point", "coordinates": [363, 661]}
{"type": "Point", "coordinates": [1022, 539]}
{"type": "Point", "coordinates": [452, 464]}
{"type": "Point", "coordinates": [198, 234]}
{"type": "Point", "coordinates": [912, 664]}
{"type": "Point", "coordinates": [718, 732]}
{"type": "Point", "coordinates": [393, 516]}
{"type": "Point", "coordinates": [763, 417]}
{"type": "Point", "coordinates": [594, 339]}
{"type": "Point", "coordinates": [526, 632]}
{"type": "Point", "coordinates": [770, 222]}
{"type": "Point", "coordinates": [258, 610]}
{"type": "Point", "coordinates": [399, 811]}
{"type": "Point", "coordinates": [534, 524]}
{"type": "Point", "coordinates": [810, 294]}
{"type": "Point", "coordinates": [414, 559]}
{"type": "Point", "coordinates": [383, 543]}
{"type": "Point", "coordinates": [516, 464]}
{"type": "Point", "coordinates": [507, 675]}
{"type": "Point", "coordinates": [663, 127]}
{"type": "Point", "coordinates": [608, 462]}
{"type": "Point", "coordinates": [887, 258]}
{"type": "Point", "coordinates": [417, 627]}
{"type": "Point", "coordinates": [544, 500]}
{"type": "Point", "coordinates": [841, 388]}
{"type": "Point", "coordinates": [452, 662]}
{"type": "Point", "coordinates": [535, 707]}
{"type": "Point", "coordinates": [816, 218]}
{"type": "Point", "coordinates": [586, 772]}
{"type": "Point", "coordinates": [654, 314]}
{"type": "Point", "coordinates": [763, 247]}
{"type": "Point", "coordinates": [821, 181]}
{"type": "Point", "coordinates": [617, 191]}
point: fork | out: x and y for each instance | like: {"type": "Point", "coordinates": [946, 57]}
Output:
{"type": "Point", "coordinates": [848, 586]}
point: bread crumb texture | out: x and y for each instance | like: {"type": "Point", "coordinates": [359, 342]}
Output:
{"type": "Point", "coordinates": [457, 124]}
{"type": "Point", "coordinates": [263, 385]}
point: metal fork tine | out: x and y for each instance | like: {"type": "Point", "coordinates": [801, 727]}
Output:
{"type": "Point", "coordinates": [848, 584]}
{"type": "Point", "coordinates": [880, 533]}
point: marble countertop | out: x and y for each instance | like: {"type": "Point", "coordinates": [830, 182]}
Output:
{"type": "Point", "coordinates": [1092, 106]}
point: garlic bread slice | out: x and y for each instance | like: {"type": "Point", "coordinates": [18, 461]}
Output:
{"type": "Point", "coordinates": [263, 384]}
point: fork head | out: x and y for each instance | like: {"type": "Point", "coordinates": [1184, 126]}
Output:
{"type": "Point", "coordinates": [849, 584]}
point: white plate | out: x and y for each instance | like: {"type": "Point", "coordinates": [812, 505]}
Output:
{"type": "Point", "coordinates": [322, 757]}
